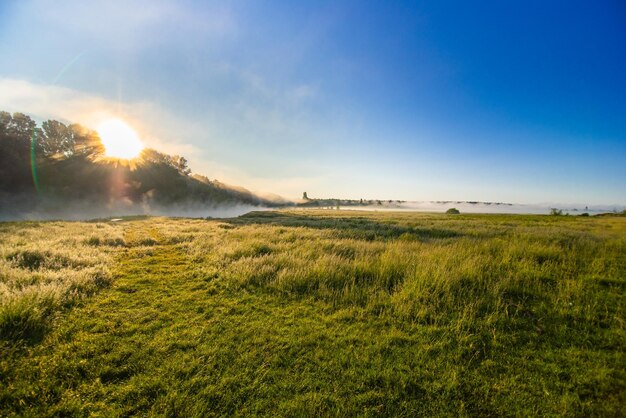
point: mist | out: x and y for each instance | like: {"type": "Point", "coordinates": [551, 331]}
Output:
{"type": "Point", "coordinates": [27, 208]}
{"type": "Point", "coordinates": [489, 207]}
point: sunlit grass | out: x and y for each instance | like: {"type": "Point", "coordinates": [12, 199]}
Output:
{"type": "Point", "coordinates": [319, 312]}
{"type": "Point", "coordinates": [46, 266]}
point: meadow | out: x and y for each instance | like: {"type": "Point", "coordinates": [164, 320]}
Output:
{"type": "Point", "coordinates": [314, 312]}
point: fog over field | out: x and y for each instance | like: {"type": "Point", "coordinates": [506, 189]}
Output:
{"type": "Point", "coordinates": [14, 208]}
{"type": "Point", "coordinates": [488, 207]}
{"type": "Point", "coordinates": [17, 208]}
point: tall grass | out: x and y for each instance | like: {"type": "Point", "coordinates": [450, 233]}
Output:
{"type": "Point", "coordinates": [317, 313]}
{"type": "Point", "coordinates": [428, 268]}
{"type": "Point", "coordinates": [47, 266]}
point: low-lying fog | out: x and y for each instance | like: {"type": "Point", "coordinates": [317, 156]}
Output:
{"type": "Point", "coordinates": [12, 209]}
{"type": "Point", "coordinates": [17, 210]}
{"type": "Point", "coordinates": [488, 207]}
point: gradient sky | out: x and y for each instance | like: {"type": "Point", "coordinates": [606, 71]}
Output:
{"type": "Point", "coordinates": [520, 102]}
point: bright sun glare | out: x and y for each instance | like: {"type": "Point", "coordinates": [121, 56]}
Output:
{"type": "Point", "coordinates": [119, 139]}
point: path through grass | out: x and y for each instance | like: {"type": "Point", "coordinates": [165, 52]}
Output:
{"type": "Point", "coordinates": [200, 320]}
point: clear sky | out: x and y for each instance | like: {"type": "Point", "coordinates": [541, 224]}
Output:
{"type": "Point", "coordinates": [450, 100]}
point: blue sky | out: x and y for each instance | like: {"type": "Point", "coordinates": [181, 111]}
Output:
{"type": "Point", "coordinates": [496, 101]}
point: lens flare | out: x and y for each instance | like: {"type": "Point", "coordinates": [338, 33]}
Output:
{"type": "Point", "coordinates": [33, 160]}
{"type": "Point", "coordinates": [119, 139]}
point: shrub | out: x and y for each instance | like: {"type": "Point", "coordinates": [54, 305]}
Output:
{"type": "Point", "coordinates": [453, 211]}
{"type": "Point", "coordinates": [556, 212]}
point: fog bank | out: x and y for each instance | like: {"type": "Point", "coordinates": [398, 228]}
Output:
{"type": "Point", "coordinates": [488, 207]}
{"type": "Point", "coordinates": [26, 208]}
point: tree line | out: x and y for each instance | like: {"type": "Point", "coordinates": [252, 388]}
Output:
{"type": "Point", "coordinates": [65, 162]}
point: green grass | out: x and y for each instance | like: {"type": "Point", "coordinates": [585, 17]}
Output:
{"type": "Point", "coordinates": [315, 312]}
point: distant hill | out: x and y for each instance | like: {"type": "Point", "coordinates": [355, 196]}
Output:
{"type": "Point", "coordinates": [56, 167]}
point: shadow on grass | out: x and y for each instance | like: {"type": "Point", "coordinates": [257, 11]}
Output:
{"type": "Point", "coordinates": [356, 227]}
{"type": "Point", "coordinates": [22, 323]}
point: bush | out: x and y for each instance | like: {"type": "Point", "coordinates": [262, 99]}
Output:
{"type": "Point", "coordinates": [556, 212]}
{"type": "Point", "coordinates": [453, 211]}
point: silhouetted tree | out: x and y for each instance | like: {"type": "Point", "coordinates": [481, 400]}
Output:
{"type": "Point", "coordinates": [65, 159]}
{"type": "Point", "coordinates": [86, 141]}
{"type": "Point", "coordinates": [56, 139]}
{"type": "Point", "coordinates": [21, 127]}
{"type": "Point", "coordinates": [180, 163]}
{"type": "Point", "coordinates": [16, 132]}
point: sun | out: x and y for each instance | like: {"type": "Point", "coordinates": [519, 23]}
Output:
{"type": "Point", "coordinates": [119, 139]}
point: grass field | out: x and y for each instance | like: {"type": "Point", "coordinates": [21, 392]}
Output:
{"type": "Point", "coordinates": [299, 313]}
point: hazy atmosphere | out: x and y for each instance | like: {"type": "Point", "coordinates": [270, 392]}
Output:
{"type": "Point", "coordinates": [312, 208]}
{"type": "Point", "coordinates": [514, 102]}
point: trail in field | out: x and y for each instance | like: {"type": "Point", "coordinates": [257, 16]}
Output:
{"type": "Point", "coordinates": [118, 353]}
{"type": "Point", "coordinates": [135, 334]}
{"type": "Point", "coordinates": [176, 335]}
{"type": "Point", "coordinates": [166, 340]}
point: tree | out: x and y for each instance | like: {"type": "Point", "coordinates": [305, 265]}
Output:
{"type": "Point", "coordinates": [453, 211]}
{"type": "Point", "coordinates": [5, 120]}
{"type": "Point", "coordinates": [175, 161]}
{"type": "Point", "coordinates": [150, 155]}
{"type": "Point", "coordinates": [86, 141]}
{"type": "Point", "coordinates": [304, 196]}
{"type": "Point", "coordinates": [21, 127]}
{"type": "Point", "coordinates": [60, 169]}
{"type": "Point", "coordinates": [180, 164]}
{"type": "Point", "coordinates": [16, 132]}
{"type": "Point", "coordinates": [201, 178]}
{"type": "Point", "coordinates": [56, 139]}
